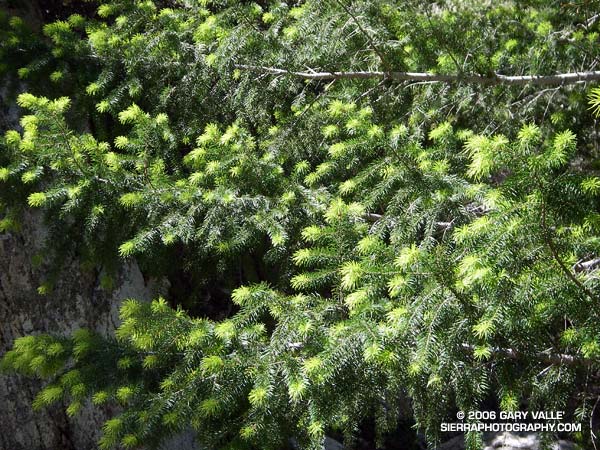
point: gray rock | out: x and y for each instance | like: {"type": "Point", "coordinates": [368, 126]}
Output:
{"type": "Point", "coordinates": [522, 441]}
{"type": "Point", "coordinates": [456, 443]}
{"type": "Point", "coordinates": [508, 441]}
{"type": "Point", "coordinates": [332, 444]}
{"type": "Point", "coordinates": [328, 444]}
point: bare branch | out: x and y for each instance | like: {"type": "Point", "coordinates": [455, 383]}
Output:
{"type": "Point", "coordinates": [592, 20]}
{"type": "Point", "coordinates": [587, 266]}
{"type": "Point", "coordinates": [496, 79]}
{"type": "Point", "coordinates": [444, 225]}
{"type": "Point", "coordinates": [372, 217]}
{"type": "Point", "coordinates": [549, 358]}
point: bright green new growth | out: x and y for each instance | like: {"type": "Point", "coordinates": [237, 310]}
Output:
{"type": "Point", "coordinates": [378, 238]}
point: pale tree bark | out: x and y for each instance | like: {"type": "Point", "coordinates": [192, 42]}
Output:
{"type": "Point", "coordinates": [496, 79]}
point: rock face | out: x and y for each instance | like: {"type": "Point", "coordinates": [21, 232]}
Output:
{"type": "Point", "coordinates": [77, 301]}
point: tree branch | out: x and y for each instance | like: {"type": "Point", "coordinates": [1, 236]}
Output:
{"type": "Point", "coordinates": [496, 79]}
{"type": "Point", "coordinates": [586, 266]}
{"type": "Point", "coordinates": [373, 217]}
{"type": "Point", "coordinates": [549, 358]}
{"type": "Point", "coordinates": [554, 252]}
{"type": "Point", "coordinates": [592, 20]}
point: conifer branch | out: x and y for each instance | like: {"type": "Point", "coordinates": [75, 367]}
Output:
{"type": "Point", "coordinates": [364, 32]}
{"type": "Point", "coordinates": [496, 79]}
{"type": "Point", "coordinates": [554, 252]}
